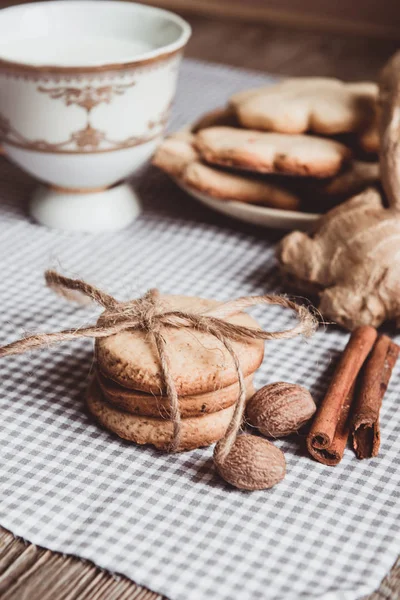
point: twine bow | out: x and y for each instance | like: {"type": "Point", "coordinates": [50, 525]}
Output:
{"type": "Point", "coordinates": [148, 314]}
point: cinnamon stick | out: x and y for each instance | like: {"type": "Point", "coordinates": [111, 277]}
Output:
{"type": "Point", "coordinates": [374, 382]}
{"type": "Point", "coordinates": [329, 432]}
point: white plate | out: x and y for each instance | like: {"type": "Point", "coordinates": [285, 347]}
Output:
{"type": "Point", "coordinates": [274, 218]}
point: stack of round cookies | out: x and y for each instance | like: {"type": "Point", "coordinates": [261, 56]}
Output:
{"type": "Point", "coordinates": [301, 144]}
{"type": "Point", "coordinates": [127, 395]}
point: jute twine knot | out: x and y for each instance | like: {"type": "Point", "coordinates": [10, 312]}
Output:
{"type": "Point", "coordinates": [148, 314]}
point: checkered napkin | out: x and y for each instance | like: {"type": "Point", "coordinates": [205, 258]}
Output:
{"type": "Point", "coordinates": [167, 521]}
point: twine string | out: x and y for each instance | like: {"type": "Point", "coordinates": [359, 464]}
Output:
{"type": "Point", "coordinates": [148, 314]}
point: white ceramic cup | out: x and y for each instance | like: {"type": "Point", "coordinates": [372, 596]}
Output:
{"type": "Point", "coordinates": [85, 92]}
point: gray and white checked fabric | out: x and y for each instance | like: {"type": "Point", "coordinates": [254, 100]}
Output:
{"type": "Point", "coordinates": [168, 522]}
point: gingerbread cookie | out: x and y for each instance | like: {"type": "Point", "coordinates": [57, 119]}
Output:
{"type": "Point", "coordinates": [150, 405]}
{"type": "Point", "coordinates": [303, 155]}
{"type": "Point", "coordinates": [232, 186]}
{"type": "Point", "coordinates": [320, 105]}
{"type": "Point", "coordinates": [199, 363]}
{"type": "Point", "coordinates": [175, 153]}
{"type": "Point", "coordinates": [176, 156]}
{"type": "Point", "coordinates": [195, 431]}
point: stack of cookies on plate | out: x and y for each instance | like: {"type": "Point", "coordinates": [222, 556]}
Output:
{"type": "Point", "coordinates": [302, 144]}
{"type": "Point", "coordinates": [127, 394]}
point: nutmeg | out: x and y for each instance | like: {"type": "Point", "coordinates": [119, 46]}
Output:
{"type": "Point", "coordinates": [252, 464]}
{"type": "Point", "coordinates": [280, 409]}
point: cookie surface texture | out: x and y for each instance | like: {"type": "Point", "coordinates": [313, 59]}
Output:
{"type": "Point", "coordinates": [159, 406]}
{"type": "Point", "coordinates": [175, 153]}
{"type": "Point", "coordinates": [199, 363]}
{"type": "Point", "coordinates": [233, 186]}
{"type": "Point", "coordinates": [196, 432]}
{"type": "Point", "coordinates": [263, 152]}
{"type": "Point", "coordinates": [320, 105]}
{"type": "Point", "coordinates": [177, 157]}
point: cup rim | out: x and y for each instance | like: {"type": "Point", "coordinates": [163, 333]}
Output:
{"type": "Point", "coordinates": [145, 58]}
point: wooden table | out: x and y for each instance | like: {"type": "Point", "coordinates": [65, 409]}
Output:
{"type": "Point", "coordinates": [31, 573]}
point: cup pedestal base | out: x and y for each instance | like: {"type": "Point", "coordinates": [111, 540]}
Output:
{"type": "Point", "coordinates": [85, 210]}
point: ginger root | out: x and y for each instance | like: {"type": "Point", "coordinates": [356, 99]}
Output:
{"type": "Point", "coordinates": [352, 261]}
